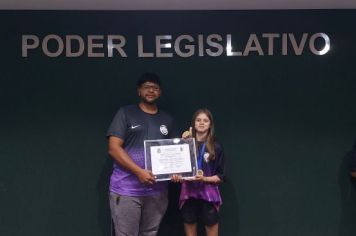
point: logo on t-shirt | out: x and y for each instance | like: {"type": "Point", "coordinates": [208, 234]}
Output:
{"type": "Point", "coordinates": [163, 129]}
{"type": "Point", "coordinates": [206, 157]}
{"type": "Point", "coordinates": [135, 126]}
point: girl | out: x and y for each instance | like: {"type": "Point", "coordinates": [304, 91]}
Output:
{"type": "Point", "coordinates": [200, 198]}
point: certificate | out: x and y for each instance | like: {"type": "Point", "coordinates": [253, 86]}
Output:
{"type": "Point", "coordinates": [166, 157]}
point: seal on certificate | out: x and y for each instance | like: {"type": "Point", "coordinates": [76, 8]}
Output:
{"type": "Point", "coordinates": [200, 172]}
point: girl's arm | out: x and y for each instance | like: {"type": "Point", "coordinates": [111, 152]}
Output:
{"type": "Point", "coordinates": [221, 163]}
{"type": "Point", "coordinates": [209, 179]}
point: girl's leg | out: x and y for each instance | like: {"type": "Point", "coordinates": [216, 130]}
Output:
{"type": "Point", "coordinates": [212, 230]}
{"type": "Point", "coordinates": [190, 229]}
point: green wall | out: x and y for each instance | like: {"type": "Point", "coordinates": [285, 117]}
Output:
{"type": "Point", "coordinates": [287, 123]}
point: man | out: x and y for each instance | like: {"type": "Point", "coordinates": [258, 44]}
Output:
{"type": "Point", "coordinates": [137, 202]}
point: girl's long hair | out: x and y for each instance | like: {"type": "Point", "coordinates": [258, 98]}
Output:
{"type": "Point", "coordinates": [210, 138]}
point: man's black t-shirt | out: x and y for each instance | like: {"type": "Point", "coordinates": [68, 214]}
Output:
{"type": "Point", "coordinates": [133, 125]}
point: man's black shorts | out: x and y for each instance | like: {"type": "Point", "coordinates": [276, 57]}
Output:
{"type": "Point", "coordinates": [195, 210]}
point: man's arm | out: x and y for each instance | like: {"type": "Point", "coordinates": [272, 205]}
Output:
{"type": "Point", "coordinates": [117, 152]}
{"type": "Point", "coordinates": [353, 174]}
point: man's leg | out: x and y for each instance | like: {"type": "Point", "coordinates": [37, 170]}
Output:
{"type": "Point", "coordinates": [126, 214]}
{"type": "Point", "coordinates": [153, 211]}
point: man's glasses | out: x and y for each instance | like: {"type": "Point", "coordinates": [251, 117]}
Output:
{"type": "Point", "coordinates": [149, 87]}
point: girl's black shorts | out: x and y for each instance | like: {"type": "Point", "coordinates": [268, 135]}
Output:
{"type": "Point", "coordinates": [197, 210]}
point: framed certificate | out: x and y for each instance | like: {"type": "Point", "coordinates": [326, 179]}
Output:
{"type": "Point", "coordinates": [166, 157]}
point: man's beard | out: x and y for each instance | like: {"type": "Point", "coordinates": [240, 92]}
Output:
{"type": "Point", "coordinates": [152, 102]}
